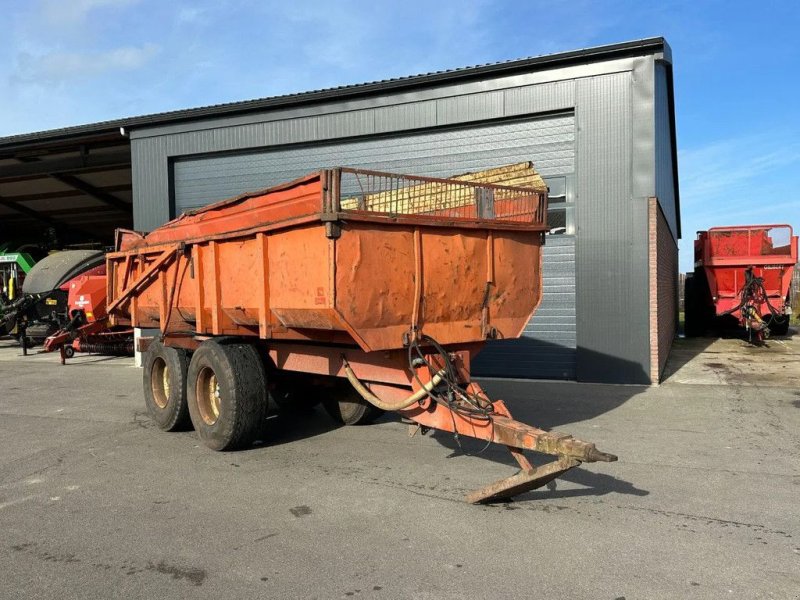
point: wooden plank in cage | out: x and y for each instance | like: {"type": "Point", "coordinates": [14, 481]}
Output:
{"type": "Point", "coordinates": [428, 197]}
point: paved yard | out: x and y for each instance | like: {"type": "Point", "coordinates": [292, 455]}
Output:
{"type": "Point", "coordinates": [95, 502]}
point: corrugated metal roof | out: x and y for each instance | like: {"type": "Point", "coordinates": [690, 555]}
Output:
{"type": "Point", "coordinates": [647, 45]}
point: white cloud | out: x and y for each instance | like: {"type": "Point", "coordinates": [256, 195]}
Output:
{"type": "Point", "coordinates": [352, 39]}
{"type": "Point", "coordinates": [60, 66]}
{"type": "Point", "coordinates": [739, 180]}
{"type": "Point", "coordinates": [63, 12]}
{"type": "Point", "coordinates": [191, 14]}
{"type": "Point", "coordinates": [727, 167]}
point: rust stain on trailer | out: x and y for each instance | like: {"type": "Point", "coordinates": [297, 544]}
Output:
{"type": "Point", "coordinates": [347, 273]}
{"type": "Point", "coordinates": [383, 270]}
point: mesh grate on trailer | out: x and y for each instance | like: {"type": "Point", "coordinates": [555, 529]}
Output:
{"type": "Point", "coordinates": [749, 241]}
{"type": "Point", "coordinates": [392, 194]}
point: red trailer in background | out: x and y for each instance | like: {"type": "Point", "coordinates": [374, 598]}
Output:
{"type": "Point", "coordinates": [744, 272]}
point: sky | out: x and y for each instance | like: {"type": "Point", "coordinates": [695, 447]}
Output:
{"type": "Point", "coordinates": [736, 69]}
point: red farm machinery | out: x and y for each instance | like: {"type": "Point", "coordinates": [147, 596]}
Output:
{"type": "Point", "coordinates": [375, 289]}
{"type": "Point", "coordinates": [86, 327]}
{"type": "Point", "coordinates": [742, 273]}
{"type": "Point", "coordinates": [41, 307]}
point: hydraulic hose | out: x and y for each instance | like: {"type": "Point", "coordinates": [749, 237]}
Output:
{"type": "Point", "coordinates": [749, 291]}
{"type": "Point", "coordinates": [373, 399]}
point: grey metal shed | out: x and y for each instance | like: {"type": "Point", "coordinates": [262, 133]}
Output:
{"type": "Point", "coordinates": [597, 123]}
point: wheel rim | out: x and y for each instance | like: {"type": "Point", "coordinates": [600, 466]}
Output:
{"type": "Point", "coordinates": [209, 398]}
{"type": "Point", "coordinates": [159, 382]}
{"type": "Point", "coordinates": [350, 403]}
{"type": "Point", "coordinates": [348, 407]}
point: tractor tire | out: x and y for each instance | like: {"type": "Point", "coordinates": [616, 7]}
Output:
{"type": "Point", "coordinates": [776, 327]}
{"type": "Point", "coordinates": [164, 382]}
{"type": "Point", "coordinates": [692, 311]}
{"type": "Point", "coordinates": [8, 328]}
{"type": "Point", "coordinates": [347, 407]}
{"type": "Point", "coordinates": [293, 397]}
{"type": "Point", "coordinates": [227, 394]}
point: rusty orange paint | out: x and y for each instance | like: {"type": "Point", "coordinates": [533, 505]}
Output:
{"type": "Point", "coordinates": [267, 265]}
{"type": "Point", "coordinates": [328, 281]}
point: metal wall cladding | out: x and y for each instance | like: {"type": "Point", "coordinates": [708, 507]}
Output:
{"type": "Point", "coordinates": [547, 348]}
{"type": "Point", "coordinates": [149, 173]}
{"type": "Point", "coordinates": [461, 104]}
{"type": "Point", "coordinates": [618, 148]}
{"type": "Point", "coordinates": [548, 142]}
{"type": "Point", "coordinates": [612, 238]}
{"type": "Point", "coordinates": [665, 184]}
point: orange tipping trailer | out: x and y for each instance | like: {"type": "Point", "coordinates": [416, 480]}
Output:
{"type": "Point", "coordinates": [378, 287]}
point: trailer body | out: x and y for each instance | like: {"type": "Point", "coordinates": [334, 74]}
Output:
{"type": "Point", "coordinates": [745, 272]}
{"type": "Point", "coordinates": [389, 282]}
{"type": "Point", "coordinates": [287, 264]}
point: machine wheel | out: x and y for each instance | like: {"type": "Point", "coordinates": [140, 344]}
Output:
{"type": "Point", "coordinates": [8, 328]}
{"type": "Point", "coordinates": [227, 393]}
{"type": "Point", "coordinates": [777, 327]}
{"type": "Point", "coordinates": [164, 384]}
{"type": "Point", "coordinates": [692, 314]}
{"type": "Point", "coordinates": [699, 315]}
{"type": "Point", "coordinates": [292, 395]}
{"type": "Point", "coordinates": [346, 406]}
{"type": "Point", "coordinates": [69, 351]}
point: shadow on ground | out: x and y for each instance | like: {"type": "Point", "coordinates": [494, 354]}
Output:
{"type": "Point", "coordinates": [552, 406]}
{"type": "Point", "coordinates": [547, 405]}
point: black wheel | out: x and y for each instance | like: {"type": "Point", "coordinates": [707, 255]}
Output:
{"type": "Point", "coordinates": [292, 394]}
{"type": "Point", "coordinates": [8, 327]}
{"type": "Point", "coordinates": [777, 325]}
{"type": "Point", "coordinates": [164, 383]}
{"type": "Point", "coordinates": [346, 406]}
{"type": "Point", "coordinates": [692, 317]}
{"type": "Point", "coordinates": [699, 315]}
{"type": "Point", "coordinates": [227, 393]}
{"type": "Point", "coordinates": [69, 351]}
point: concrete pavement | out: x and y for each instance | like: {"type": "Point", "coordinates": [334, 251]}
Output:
{"type": "Point", "coordinates": [95, 502]}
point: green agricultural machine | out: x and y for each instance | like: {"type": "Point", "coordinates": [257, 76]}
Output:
{"type": "Point", "coordinates": [15, 264]}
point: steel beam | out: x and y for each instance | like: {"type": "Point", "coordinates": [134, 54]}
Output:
{"type": "Point", "coordinates": [42, 168]}
{"type": "Point", "coordinates": [92, 191]}
{"type": "Point", "coordinates": [29, 212]}
{"type": "Point", "coordinates": [64, 194]}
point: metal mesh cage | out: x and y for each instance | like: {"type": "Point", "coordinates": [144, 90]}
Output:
{"type": "Point", "coordinates": [767, 240]}
{"type": "Point", "coordinates": [394, 195]}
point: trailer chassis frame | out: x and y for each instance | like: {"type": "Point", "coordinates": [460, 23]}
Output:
{"type": "Point", "coordinates": [387, 375]}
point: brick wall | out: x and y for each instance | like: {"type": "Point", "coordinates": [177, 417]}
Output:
{"type": "Point", "coordinates": [663, 292]}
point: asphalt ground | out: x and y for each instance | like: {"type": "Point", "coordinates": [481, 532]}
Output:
{"type": "Point", "coordinates": [95, 502]}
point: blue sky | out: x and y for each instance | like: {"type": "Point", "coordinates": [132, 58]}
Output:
{"type": "Point", "coordinates": [737, 69]}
